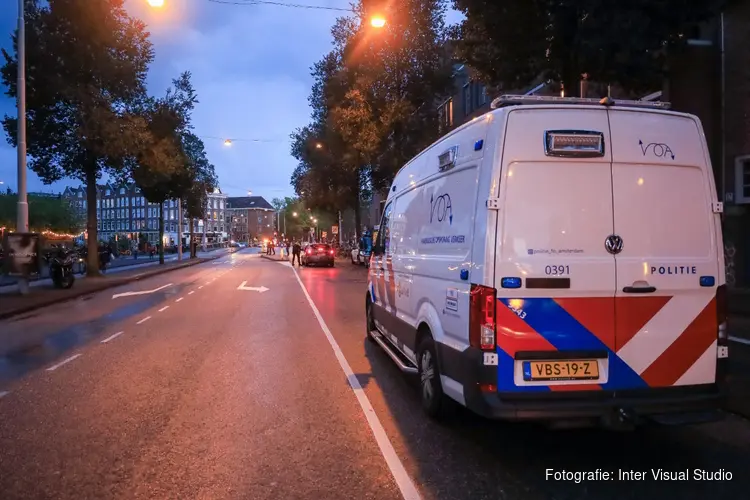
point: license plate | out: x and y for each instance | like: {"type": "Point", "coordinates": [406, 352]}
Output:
{"type": "Point", "coordinates": [561, 370]}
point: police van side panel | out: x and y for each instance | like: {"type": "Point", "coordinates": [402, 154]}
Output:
{"type": "Point", "coordinates": [427, 232]}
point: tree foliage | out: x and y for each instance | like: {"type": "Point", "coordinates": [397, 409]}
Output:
{"type": "Point", "coordinates": [373, 103]}
{"type": "Point", "coordinates": [510, 43]}
{"type": "Point", "coordinates": [50, 213]}
{"type": "Point", "coordinates": [86, 65]}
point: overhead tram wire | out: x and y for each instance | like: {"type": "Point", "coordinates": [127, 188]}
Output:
{"type": "Point", "coordinates": [281, 4]}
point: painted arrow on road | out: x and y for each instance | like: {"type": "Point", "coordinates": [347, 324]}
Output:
{"type": "Point", "coordinates": [260, 289]}
{"type": "Point", "coordinates": [142, 292]}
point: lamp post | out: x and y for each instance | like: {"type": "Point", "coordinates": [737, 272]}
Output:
{"type": "Point", "coordinates": [22, 213]}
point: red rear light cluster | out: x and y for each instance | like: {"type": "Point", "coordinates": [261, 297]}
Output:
{"type": "Point", "coordinates": [308, 252]}
{"type": "Point", "coordinates": [331, 252]}
{"type": "Point", "coordinates": [482, 328]}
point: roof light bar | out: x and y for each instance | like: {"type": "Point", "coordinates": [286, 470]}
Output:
{"type": "Point", "coordinates": [510, 100]}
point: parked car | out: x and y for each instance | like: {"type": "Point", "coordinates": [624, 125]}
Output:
{"type": "Point", "coordinates": [317, 254]}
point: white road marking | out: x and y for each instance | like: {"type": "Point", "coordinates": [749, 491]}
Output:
{"type": "Point", "coordinates": [3, 394]}
{"type": "Point", "coordinates": [200, 287]}
{"type": "Point", "coordinates": [112, 337]}
{"type": "Point", "coordinates": [739, 340]}
{"type": "Point", "coordinates": [142, 292]}
{"type": "Point", "coordinates": [58, 365]}
{"type": "Point", "coordinates": [163, 308]}
{"type": "Point", "coordinates": [191, 292]}
{"type": "Point", "coordinates": [179, 299]}
{"type": "Point", "coordinates": [403, 481]}
{"type": "Point", "coordinates": [144, 320]}
{"type": "Point", "coordinates": [260, 289]}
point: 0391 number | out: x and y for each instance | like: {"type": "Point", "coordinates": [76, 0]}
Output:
{"type": "Point", "coordinates": [557, 270]}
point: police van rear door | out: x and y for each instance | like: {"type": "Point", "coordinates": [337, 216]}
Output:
{"type": "Point", "coordinates": [554, 279]}
{"type": "Point", "coordinates": [665, 248]}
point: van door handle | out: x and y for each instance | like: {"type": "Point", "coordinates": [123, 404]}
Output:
{"type": "Point", "coordinates": [639, 289]}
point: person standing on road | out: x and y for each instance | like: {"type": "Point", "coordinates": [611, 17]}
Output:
{"type": "Point", "coordinates": [288, 243]}
{"type": "Point", "coordinates": [296, 251]}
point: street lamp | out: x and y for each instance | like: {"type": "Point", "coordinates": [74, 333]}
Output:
{"type": "Point", "coordinates": [156, 3]}
{"type": "Point", "coordinates": [294, 214]}
{"type": "Point", "coordinates": [228, 142]}
{"type": "Point", "coordinates": [377, 21]}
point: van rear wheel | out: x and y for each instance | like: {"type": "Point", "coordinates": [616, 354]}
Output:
{"type": "Point", "coordinates": [434, 401]}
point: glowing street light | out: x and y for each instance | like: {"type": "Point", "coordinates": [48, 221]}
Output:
{"type": "Point", "coordinates": [156, 3]}
{"type": "Point", "coordinates": [377, 21]}
{"type": "Point", "coordinates": [228, 142]}
{"type": "Point", "coordinates": [318, 145]}
{"type": "Point", "coordinates": [249, 193]}
{"type": "Point", "coordinates": [294, 214]}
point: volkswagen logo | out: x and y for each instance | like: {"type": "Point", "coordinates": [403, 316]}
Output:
{"type": "Point", "coordinates": [613, 244]}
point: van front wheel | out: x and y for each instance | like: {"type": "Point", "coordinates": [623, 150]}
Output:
{"type": "Point", "coordinates": [434, 402]}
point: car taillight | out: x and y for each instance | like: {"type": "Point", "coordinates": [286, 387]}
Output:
{"type": "Point", "coordinates": [331, 252]}
{"type": "Point", "coordinates": [482, 326]}
{"type": "Point", "coordinates": [308, 252]}
{"type": "Point", "coordinates": [722, 314]}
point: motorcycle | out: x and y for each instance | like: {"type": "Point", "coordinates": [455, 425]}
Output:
{"type": "Point", "coordinates": [60, 264]}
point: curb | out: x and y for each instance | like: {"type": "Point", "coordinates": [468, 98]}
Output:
{"type": "Point", "coordinates": [104, 286]}
{"type": "Point", "coordinates": [270, 257]}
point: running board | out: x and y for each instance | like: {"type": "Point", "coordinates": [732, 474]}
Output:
{"type": "Point", "coordinates": [393, 354]}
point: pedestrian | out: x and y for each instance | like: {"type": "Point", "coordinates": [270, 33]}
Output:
{"type": "Point", "coordinates": [296, 251]}
{"type": "Point", "coordinates": [288, 243]}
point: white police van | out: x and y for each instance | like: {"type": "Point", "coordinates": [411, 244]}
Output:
{"type": "Point", "coordinates": [559, 260]}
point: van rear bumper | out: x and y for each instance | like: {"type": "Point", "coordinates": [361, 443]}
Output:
{"type": "Point", "coordinates": [599, 404]}
{"type": "Point", "coordinates": [466, 368]}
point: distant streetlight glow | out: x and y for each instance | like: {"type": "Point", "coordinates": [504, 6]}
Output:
{"type": "Point", "coordinates": [156, 3]}
{"type": "Point", "coordinates": [377, 21]}
{"type": "Point", "coordinates": [294, 214]}
{"type": "Point", "coordinates": [249, 193]}
{"type": "Point", "coordinates": [318, 146]}
{"type": "Point", "coordinates": [228, 142]}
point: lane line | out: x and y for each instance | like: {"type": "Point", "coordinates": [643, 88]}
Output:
{"type": "Point", "coordinates": [142, 292]}
{"type": "Point", "coordinates": [163, 308]}
{"type": "Point", "coordinates": [191, 292]}
{"type": "Point", "coordinates": [179, 299]}
{"type": "Point", "coordinates": [3, 394]}
{"type": "Point", "coordinates": [200, 287]}
{"type": "Point", "coordinates": [112, 337]}
{"type": "Point", "coordinates": [403, 481]}
{"type": "Point", "coordinates": [144, 320]}
{"type": "Point", "coordinates": [65, 361]}
{"type": "Point", "coordinates": [739, 340]}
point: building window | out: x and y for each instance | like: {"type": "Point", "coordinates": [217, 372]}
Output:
{"type": "Point", "coordinates": [481, 93]}
{"type": "Point", "coordinates": [122, 190]}
{"type": "Point", "coordinates": [742, 179]}
{"type": "Point", "coordinates": [107, 192]}
{"type": "Point", "coordinates": [446, 114]}
{"type": "Point", "coordinates": [467, 99]}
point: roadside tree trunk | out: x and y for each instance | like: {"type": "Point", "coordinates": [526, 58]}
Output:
{"type": "Point", "coordinates": [192, 238]}
{"type": "Point", "coordinates": [92, 242]}
{"type": "Point", "coordinates": [161, 232]}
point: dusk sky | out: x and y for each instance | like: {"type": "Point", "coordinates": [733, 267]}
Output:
{"type": "Point", "coordinates": [251, 69]}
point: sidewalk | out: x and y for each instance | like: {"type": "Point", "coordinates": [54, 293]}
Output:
{"type": "Point", "coordinates": [45, 294]}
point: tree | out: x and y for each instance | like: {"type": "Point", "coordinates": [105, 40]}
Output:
{"type": "Point", "coordinates": [372, 101]}
{"type": "Point", "coordinates": [161, 166]}
{"type": "Point", "coordinates": [50, 213]}
{"type": "Point", "coordinates": [86, 67]}
{"type": "Point", "coordinates": [510, 43]}
{"type": "Point", "coordinates": [201, 178]}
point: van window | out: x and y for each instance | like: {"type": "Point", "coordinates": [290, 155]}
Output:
{"type": "Point", "coordinates": [383, 242]}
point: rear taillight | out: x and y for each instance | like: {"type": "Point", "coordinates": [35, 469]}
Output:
{"type": "Point", "coordinates": [331, 252]}
{"type": "Point", "coordinates": [722, 314]}
{"type": "Point", "coordinates": [308, 252]}
{"type": "Point", "coordinates": [482, 317]}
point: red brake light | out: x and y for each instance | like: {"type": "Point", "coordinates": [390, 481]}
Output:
{"type": "Point", "coordinates": [331, 252]}
{"type": "Point", "coordinates": [482, 328]}
{"type": "Point", "coordinates": [308, 252]}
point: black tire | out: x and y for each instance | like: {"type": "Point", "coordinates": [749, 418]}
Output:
{"type": "Point", "coordinates": [68, 282]}
{"type": "Point", "coordinates": [370, 321]}
{"type": "Point", "coordinates": [435, 403]}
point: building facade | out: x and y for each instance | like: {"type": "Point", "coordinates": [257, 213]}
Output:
{"type": "Point", "coordinates": [122, 212]}
{"type": "Point", "coordinates": [250, 217]}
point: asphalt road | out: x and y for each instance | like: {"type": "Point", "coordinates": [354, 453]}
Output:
{"type": "Point", "coordinates": [216, 392]}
